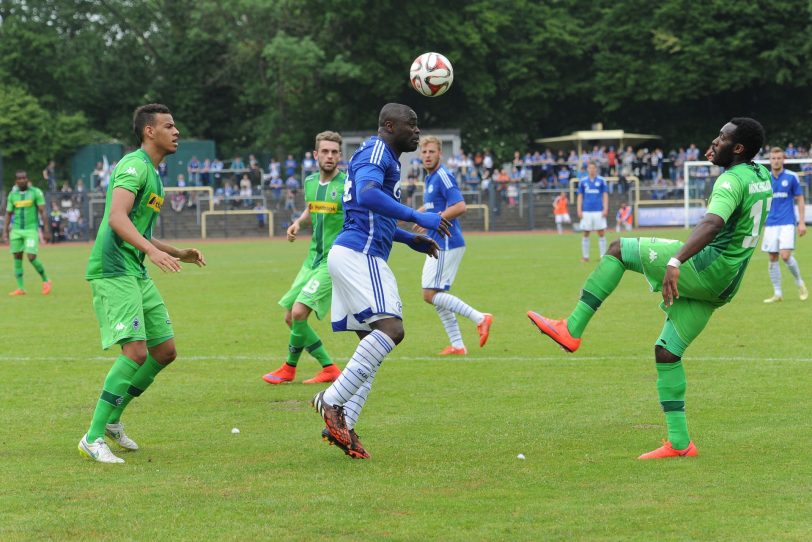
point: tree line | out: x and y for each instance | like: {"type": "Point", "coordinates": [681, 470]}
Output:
{"type": "Point", "coordinates": [266, 75]}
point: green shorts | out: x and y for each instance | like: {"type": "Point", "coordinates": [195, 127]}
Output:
{"type": "Point", "coordinates": [130, 309]}
{"type": "Point", "coordinates": [24, 241]}
{"type": "Point", "coordinates": [689, 314]}
{"type": "Point", "coordinates": [311, 287]}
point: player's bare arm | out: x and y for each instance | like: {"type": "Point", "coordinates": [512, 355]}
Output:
{"type": "Point", "coordinates": [120, 206]}
{"type": "Point", "coordinates": [605, 204]}
{"type": "Point", "coordinates": [703, 234]}
{"type": "Point", "coordinates": [801, 219]}
{"type": "Point", "coordinates": [579, 202]}
{"type": "Point", "coordinates": [186, 255]}
{"type": "Point", "coordinates": [296, 225]}
{"type": "Point", "coordinates": [44, 221]}
{"type": "Point", "coordinates": [6, 226]}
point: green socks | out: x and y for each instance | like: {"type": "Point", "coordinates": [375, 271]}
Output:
{"type": "Point", "coordinates": [40, 269]}
{"type": "Point", "coordinates": [141, 380]}
{"type": "Point", "coordinates": [303, 337]}
{"type": "Point", "coordinates": [671, 384]}
{"type": "Point", "coordinates": [18, 273]}
{"type": "Point", "coordinates": [112, 396]}
{"type": "Point", "coordinates": [600, 283]}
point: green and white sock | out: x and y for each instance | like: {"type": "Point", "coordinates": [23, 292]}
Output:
{"type": "Point", "coordinates": [40, 269]}
{"type": "Point", "coordinates": [115, 387]}
{"type": "Point", "coordinates": [141, 380]}
{"type": "Point", "coordinates": [18, 273]}
{"type": "Point", "coordinates": [600, 283]}
{"type": "Point", "coordinates": [671, 385]}
{"type": "Point", "coordinates": [315, 347]}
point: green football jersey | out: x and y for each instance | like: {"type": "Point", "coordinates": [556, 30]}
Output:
{"type": "Point", "coordinates": [24, 205]}
{"type": "Point", "coordinates": [741, 196]}
{"type": "Point", "coordinates": [112, 256]}
{"type": "Point", "coordinates": [325, 203]}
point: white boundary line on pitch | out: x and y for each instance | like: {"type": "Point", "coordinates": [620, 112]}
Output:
{"type": "Point", "coordinates": [457, 360]}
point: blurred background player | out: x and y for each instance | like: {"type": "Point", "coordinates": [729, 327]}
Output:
{"type": "Point", "coordinates": [779, 232]}
{"type": "Point", "coordinates": [365, 292]}
{"type": "Point", "coordinates": [593, 206]}
{"type": "Point", "coordinates": [129, 307]}
{"type": "Point", "coordinates": [442, 195]}
{"type": "Point", "coordinates": [624, 217]}
{"type": "Point", "coordinates": [561, 211]}
{"type": "Point", "coordinates": [26, 209]}
{"type": "Point", "coordinates": [312, 288]}
{"type": "Point", "coordinates": [695, 277]}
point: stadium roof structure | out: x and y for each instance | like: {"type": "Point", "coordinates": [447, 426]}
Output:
{"type": "Point", "coordinates": [618, 138]}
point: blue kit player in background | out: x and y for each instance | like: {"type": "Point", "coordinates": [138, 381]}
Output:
{"type": "Point", "coordinates": [442, 195]}
{"type": "Point", "coordinates": [593, 208]}
{"type": "Point", "coordinates": [779, 230]}
{"type": "Point", "coordinates": [365, 293]}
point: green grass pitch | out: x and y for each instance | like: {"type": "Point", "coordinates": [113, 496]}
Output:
{"type": "Point", "coordinates": [444, 434]}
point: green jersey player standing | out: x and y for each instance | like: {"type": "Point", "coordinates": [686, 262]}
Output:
{"type": "Point", "coordinates": [129, 308]}
{"type": "Point", "coordinates": [312, 288]}
{"type": "Point", "coordinates": [695, 277]}
{"type": "Point", "coordinates": [26, 209]}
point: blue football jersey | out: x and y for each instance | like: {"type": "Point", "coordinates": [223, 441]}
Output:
{"type": "Point", "coordinates": [592, 192]}
{"type": "Point", "coordinates": [785, 189]}
{"type": "Point", "coordinates": [441, 192]}
{"type": "Point", "coordinates": [366, 231]}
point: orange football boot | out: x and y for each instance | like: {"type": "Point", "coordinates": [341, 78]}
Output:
{"type": "Point", "coordinates": [484, 329]}
{"type": "Point", "coordinates": [18, 291]}
{"type": "Point", "coordinates": [666, 450]}
{"type": "Point", "coordinates": [286, 373]}
{"type": "Point", "coordinates": [556, 330]}
{"type": "Point", "coordinates": [327, 374]}
{"type": "Point", "coordinates": [451, 351]}
{"type": "Point", "coordinates": [46, 287]}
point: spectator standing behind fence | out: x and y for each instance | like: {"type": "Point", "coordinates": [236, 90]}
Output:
{"type": "Point", "coordinates": [487, 163]}
{"type": "Point", "coordinates": [216, 168]}
{"type": "Point", "coordinates": [193, 171]}
{"type": "Point", "coordinates": [308, 164]}
{"type": "Point", "coordinates": [277, 186]}
{"type": "Point", "coordinates": [205, 173]}
{"type": "Point", "coordinates": [73, 215]}
{"type": "Point", "coordinates": [49, 175]}
{"type": "Point", "coordinates": [624, 217]}
{"type": "Point", "coordinates": [593, 206]}
{"type": "Point", "coordinates": [246, 190]}
{"type": "Point", "coordinates": [55, 217]}
{"type": "Point", "coordinates": [290, 166]}
{"type": "Point", "coordinates": [561, 211]}
{"type": "Point", "coordinates": [275, 168]}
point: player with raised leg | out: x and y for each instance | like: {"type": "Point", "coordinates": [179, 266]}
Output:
{"type": "Point", "coordinates": [695, 277]}
{"type": "Point", "coordinates": [365, 293]}
{"type": "Point", "coordinates": [779, 232]}
{"type": "Point", "coordinates": [442, 195]}
{"type": "Point", "coordinates": [26, 205]}
{"type": "Point", "coordinates": [129, 308]}
{"type": "Point", "coordinates": [312, 288]}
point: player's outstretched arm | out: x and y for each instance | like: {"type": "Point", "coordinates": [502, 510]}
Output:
{"type": "Point", "coordinates": [373, 198]}
{"type": "Point", "coordinates": [120, 206]}
{"type": "Point", "coordinates": [418, 243]}
{"type": "Point", "coordinates": [186, 255]}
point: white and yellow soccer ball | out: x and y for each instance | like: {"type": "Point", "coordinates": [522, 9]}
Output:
{"type": "Point", "coordinates": [431, 74]}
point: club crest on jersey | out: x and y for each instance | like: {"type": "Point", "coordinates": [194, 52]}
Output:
{"type": "Point", "coordinates": [155, 202]}
{"type": "Point", "coordinates": [333, 194]}
{"type": "Point", "coordinates": [136, 324]}
{"type": "Point", "coordinates": [431, 188]}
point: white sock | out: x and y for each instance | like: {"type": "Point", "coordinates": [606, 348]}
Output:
{"type": "Point", "coordinates": [585, 247]}
{"type": "Point", "coordinates": [364, 362]}
{"type": "Point", "coordinates": [560, 228]}
{"type": "Point", "coordinates": [455, 304]}
{"type": "Point", "coordinates": [353, 407]}
{"type": "Point", "coordinates": [792, 265]}
{"type": "Point", "coordinates": [602, 245]}
{"type": "Point", "coordinates": [775, 278]}
{"type": "Point", "coordinates": [452, 328]}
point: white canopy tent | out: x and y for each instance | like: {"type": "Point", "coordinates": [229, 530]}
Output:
{"type": "Point", "coordinates": [581, 138]}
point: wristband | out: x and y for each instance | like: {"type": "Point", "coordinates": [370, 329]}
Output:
{"type": "Point", "coordinates": [673, 262]}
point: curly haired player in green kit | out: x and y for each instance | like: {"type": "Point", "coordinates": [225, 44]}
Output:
{"type": "Point", "coordinates": [312, 288]}
{"type": "Point", "coordinates": [695, 278]}
{"type": "Point", "coordinates": [129, 308]}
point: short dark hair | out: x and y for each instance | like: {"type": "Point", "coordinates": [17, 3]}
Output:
{"type": "Point", "coordinates": [21, 174]}
{"type": "Point", "coordinates": [393, 111]}
{"type": "Point", "coordinates": [144, 116]}
{"type": "Point", "coordinates": [750, 133]}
